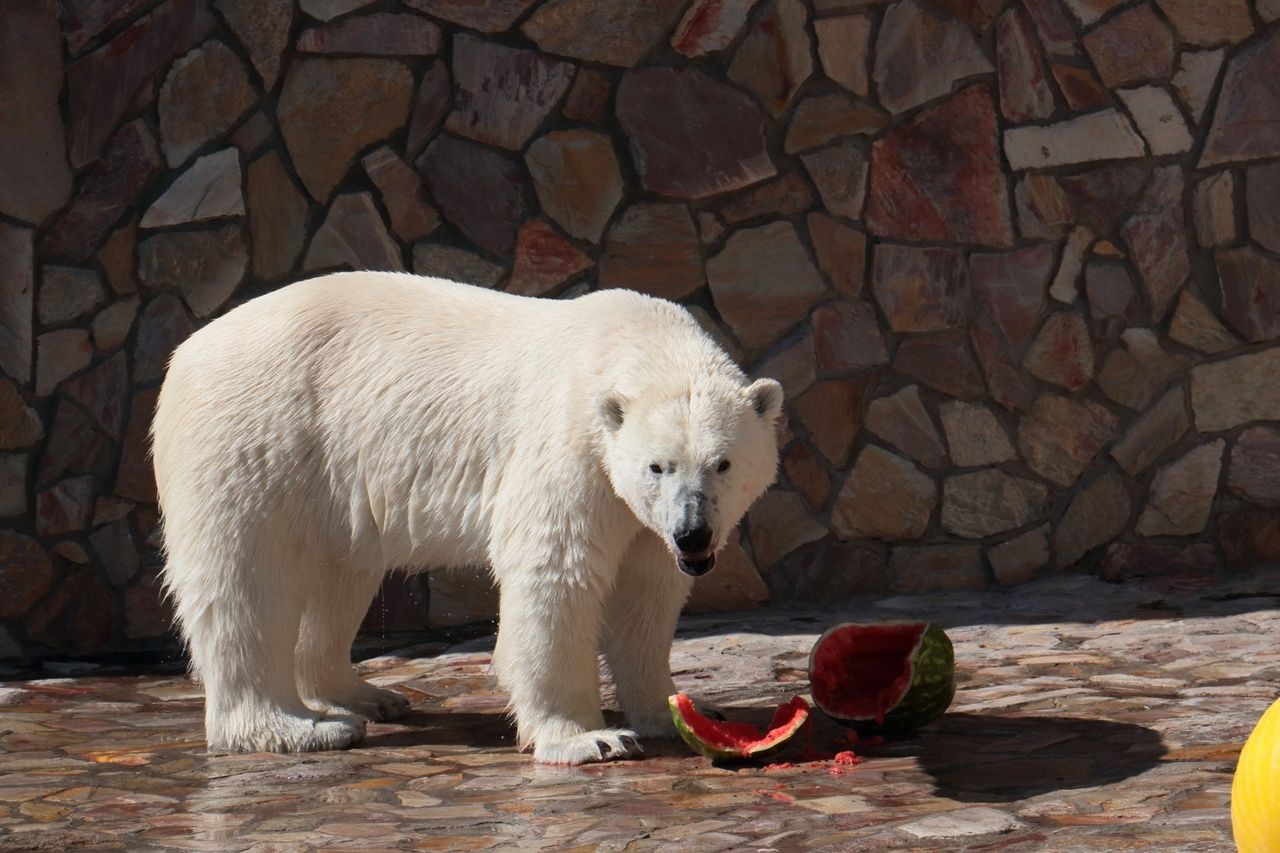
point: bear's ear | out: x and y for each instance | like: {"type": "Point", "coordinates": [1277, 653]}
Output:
{"type": "Point", "coordinates": [766, 398]}
{"type": "Point", "coordinates": [612, 407]}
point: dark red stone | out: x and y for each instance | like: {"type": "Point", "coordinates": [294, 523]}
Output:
{"type": "Point", "coordinates": [1250, 537]}
{"type": "Point", "coordinates": [483, 193]}
{"type": "Point", "coordinates": [717, 146]}
{"type": "Point", "coordinates": [1246, 120]}
{"type": "Point", "coordinates": [920, 289]}
{"type": "Point", "coordinates": [1132, 46]}
{"type": "Point", "coordinates": [841, 252]}
{"type": "Point", "coordinates": [75, 446]}
{"type": "Point", "coordinates": [26, 574]}
{"type": "Point", "coordinates": [502, 94]}
{"type": "Point", "coordinates": [77, 617]}
{"type": "Point", "coordinates": [102, 392]}
{"type": "Point", "coordinates": [1011, 287]}
{"type": "Point", "coordinates": [1025, 92]}
{"type": "Point", "coordinates": [490, 16]}
{"type": "Point", "coordinates": [1062, 353]}
{"type": "Point", "coordinates": [942, 362]}
{"type": "Point", "coordinates": [130, 160]}
{"type": "Point", "coordinates": [1056, 32]}
{"type": "Point", "coordinates": [1128, 560]}
{"type": "Point", "coordinates": [101, 86]}
{"type": "Point", "coordinates": [785, 195]}
{"type": "Point", "coordinates": [1100, 197]}
{"type": "Point", "coordinates": [379, 34]}
{"type": "Point", "coordinates": [1157, 237]}
{"type": "Point", "coordinates": [135, 478]}
{"type": "Point", "coordinates": [588, 97]}
{"type": "Point", "coordinates": [775, 58]}
{"type": "Point", "coordinates": [1079, 85]}
{"type": "Point", "coordinates": [163, 325]}
{"type": "Point", "coordinates": [430, 106]}
{"type": "Point", "coordinates": [939, 177]}
{"type": "Point", "coordinates": [545, 259]}
{"type": "Point", "coordinates": [1005, 381]}
{"type": "Point", "coordinates": [1250, 293]}
{"type": "Point", "coordinates": [613, 32]}
{"type": "Point", "coordinates": [66, 507]}
{"type": "Point", "coordinates": [84, 20]}
{"type": "Point", "coordinates": [847, 337]}
{"type": "Point", "coordinates": [832, 412]}
{"type": "Point", "coordinates": [262, 26]}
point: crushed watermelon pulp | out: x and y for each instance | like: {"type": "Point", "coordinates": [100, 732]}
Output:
{"type": "Point", "coordinates": [865, 670]}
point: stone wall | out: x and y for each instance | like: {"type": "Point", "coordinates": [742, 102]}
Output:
{"type": "Point", "coordinates": [1016, 262]}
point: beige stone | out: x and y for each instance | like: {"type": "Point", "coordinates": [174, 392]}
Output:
{"type": "Point", "coordinates": [886, 497]}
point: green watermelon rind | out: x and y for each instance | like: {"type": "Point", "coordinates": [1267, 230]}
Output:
{"type": "Point", "coordinates": [933, 684]}
{"type": "Point", "coordinates": [762, 748]}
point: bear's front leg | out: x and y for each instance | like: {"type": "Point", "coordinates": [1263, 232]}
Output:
{"type": "Point", "coordinates": [639, 624]}
{"type": "Point", "coordinates": [548, 631]}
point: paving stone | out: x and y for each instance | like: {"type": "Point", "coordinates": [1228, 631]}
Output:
{"type": "Point", "coordinates": [806, 475]}
{"type": "Point", "coordinates": [1263, 203]}
{"type": "Point", "coordinates": [26, 574]}
{"type": "Point", "coordinates": [430, 107]}
{"type": "Point", "coordinates": [1250, 282]}
{"type": "Point", "coordinates": [206, 267]}
{"type": "Point", "coordinates": [1254, 473]}
{"type": "Point", "coordinates": [277, 217]}
{"type": "Point", "coordinates": [1182, 493]}
{"type": "Point", "coordinates": [763, 283]}
{"type": "Point", "coordinates": [779, 523]}
{"type": "Point", "coordinates": [902, 421]}
{"type": "Point", "coordinates": [735, 585]}
{"type": "Point", "coordinates": [984, 503]}
{"type": "Point", "coordinates": [832, 413]}
{"type": "Point", "coordinates": [886, 497]}
{"type": "Point", "coordinates": [1113, 299]}
{"type": "Point", "coordinates": [331, 109]}
{"type": "Point", "coordinates": [793, 365]}
{"type": "Point", "coordinates": [493, 16]}
{"type": "Point", "coordinates": [1158, 119]}
{"type": "Point", "coordinates": [1237, 390]}
{"type": "Point", "coordinates": [1195, 326]}
{"type": "Point", "coordinates": [262, 26]}
{"type": "Point", "coordinates": [1005, 381]}
{"type": "Point", "coordinates": [544, 260]}
{"type": "Point", "coordinates": [839, 172]}
{"type": "Point", "coordinates": [1195, 78]}
{"type": "Point", "coordinates": [1025, 92]}
{"type": "Point", "coordinates": [162, 326]}
{"type": "Point", "coordinates": [942, 362]}
{"type": "Point", "coordinates": [847, 337]}
{"type": "Point", "coordinates": [400, 189]}
{"type": "Point", "coordinates": [109, 188]}
{"type": "Point", "coordinates": [34, 178]}
{"type": "Point", "coordinates": [974, 436]}
{"type": "Point", "coordinates": [576, 176]}
{"type": "Point", "coordinates": [502, 94]}
{"type": "Point", "coordinates": [58, 355]}
{"type": "Point", "coordinates": [102, 393]}
{"type": "Point", "coordinates": [481, 192]}
{"type": "Point", "coordinates": [67, 293]}
{"type": "Point", "coordinates": [841, 252]}
{"type": "Point", "coordinates": [1132, 46]}
{"type": "Point", "coordinates": [615, 32]}
{"type": "Point", "coordinates": [1011, 287]}
{"type": "Point", "coordinates": [934, 568]}
{"type": "Point", "coordinates": [354, 236]}
{"type": "Point", "coordinates": [654, 248]}
{"type": "Point", "coordinates": [101, 85]}
{"type": "Point", "coordinates": [1060, 436]}
{"type": "Point", "coordinates": [1133, 374]}
{"type": "Point", "coordinates": [775, 58]}
{"type": "Point", "coordinates": [1227, 21]}
{"type": "Point", "coordinates": [1154, 433]}
{"type": "Point", "coordinates": [961, 197]}
{"type": "Point", "coordinates": [964, 823]}
{"type": "Point", "coordinates": [844, 44]}
{"type": "Point", "coordinates": [20, 424]}
{"type": "Point", "coordinates": [921, 54]}
{"type": "Point", "coordinates": [1102, 135]}
{"type": "Point", "coordinates": [920, 289]}
{"type": "Point", "coordinates": [1095, 516]}
{"type": "Point", "coordinates": [454, 264]}
{"type": "Point", "coordinates": [1157, 239]}
{"type": "Point", "coordinates": [378, 34]}
{"type": "Point", "coordinates": [588, 97]}
{"type": "Point", "coordinates": [14, 492]}
{"type": "Point", "coordinates": [135, 477]}
{"type": "Point", "coordinates": [819, 119]}
{"type": "Point", "coordinates": [1213, 210]}
{"type": "Point", "coordinates": [1246, 119]}
{"type": "Point", "coordinates": [204, 95]}
{"type": "Point", "coordinates": [1022, 558]}
{"type": "Point", "coordinates": [75, 446]}
{"type": "Point", "coordinates": [209, 189]}
{"type": "Point", "coordinates": [1062, 354]}
{"type": "Point", "coordinates": [720, 147]}
{"type": "Point", "coordinates": [710, 25]}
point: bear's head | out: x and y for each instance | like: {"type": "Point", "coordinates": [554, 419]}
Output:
{"type": "Point", "coordinates": [690, 463]}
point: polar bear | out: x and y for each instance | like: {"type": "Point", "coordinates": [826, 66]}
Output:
{"type": "Point", "coordinates": [592, 453]}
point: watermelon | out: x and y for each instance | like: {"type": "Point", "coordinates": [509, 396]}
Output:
{"type": "Point", "coordinates": [735, 741]}
{"type": "Point", "coordinates": [883, 676]}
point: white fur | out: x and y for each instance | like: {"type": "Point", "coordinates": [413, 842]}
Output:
{"type": "Point", "coordinates": [316, 437]}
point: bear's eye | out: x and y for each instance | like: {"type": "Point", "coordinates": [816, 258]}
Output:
{"type": "Point", "coordinates": [655, 468]}
{"type": "Point", "coordinates": [724, 466]}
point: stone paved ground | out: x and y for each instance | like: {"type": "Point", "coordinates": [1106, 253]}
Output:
{"type": "Point", "coordinates": [1090, 716]}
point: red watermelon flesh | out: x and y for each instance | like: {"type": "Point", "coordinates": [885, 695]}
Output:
{"type": "Point", "coordinates": [865, 672]}
{"type": "Point", "coordinates": [719, 739]}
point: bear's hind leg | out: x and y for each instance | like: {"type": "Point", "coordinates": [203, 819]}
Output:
{"type": "Point", "coordinates": [639, 624]}
{"type": "Point", "coordinates": [326, 680]}
{"type": "Point", "coordinates": [242, 636]}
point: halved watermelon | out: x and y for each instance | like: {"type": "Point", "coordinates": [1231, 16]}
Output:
{"type": "Point", "coordinates": [882, 676]}
{"type": "Point", "coordinates": [721, 740]}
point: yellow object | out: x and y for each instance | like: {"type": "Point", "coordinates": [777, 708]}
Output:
{"type": "Point", "coordinates": [1255, 792]}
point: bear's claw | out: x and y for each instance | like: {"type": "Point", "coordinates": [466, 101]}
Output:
{"type": "Point", "coordinates": [588, 747]}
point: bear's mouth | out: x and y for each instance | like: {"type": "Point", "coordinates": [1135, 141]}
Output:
{"type": "Point", "coordinates": [696, 565]}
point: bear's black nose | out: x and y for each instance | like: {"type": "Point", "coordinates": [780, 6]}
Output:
{"type": "Point", "coordinates": [694, 540]}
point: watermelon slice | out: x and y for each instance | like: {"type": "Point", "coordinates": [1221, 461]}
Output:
{"type": "Point", "coordinates": [884, 676]}
{"type": "Point", "coordinates": [729, 741]}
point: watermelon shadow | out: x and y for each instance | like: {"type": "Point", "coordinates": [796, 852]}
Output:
{"type": "Point", "coordinates": [989, 758]}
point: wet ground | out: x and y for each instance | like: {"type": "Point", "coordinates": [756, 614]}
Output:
{"type": "Point", "coordinates": [1090, 717]}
